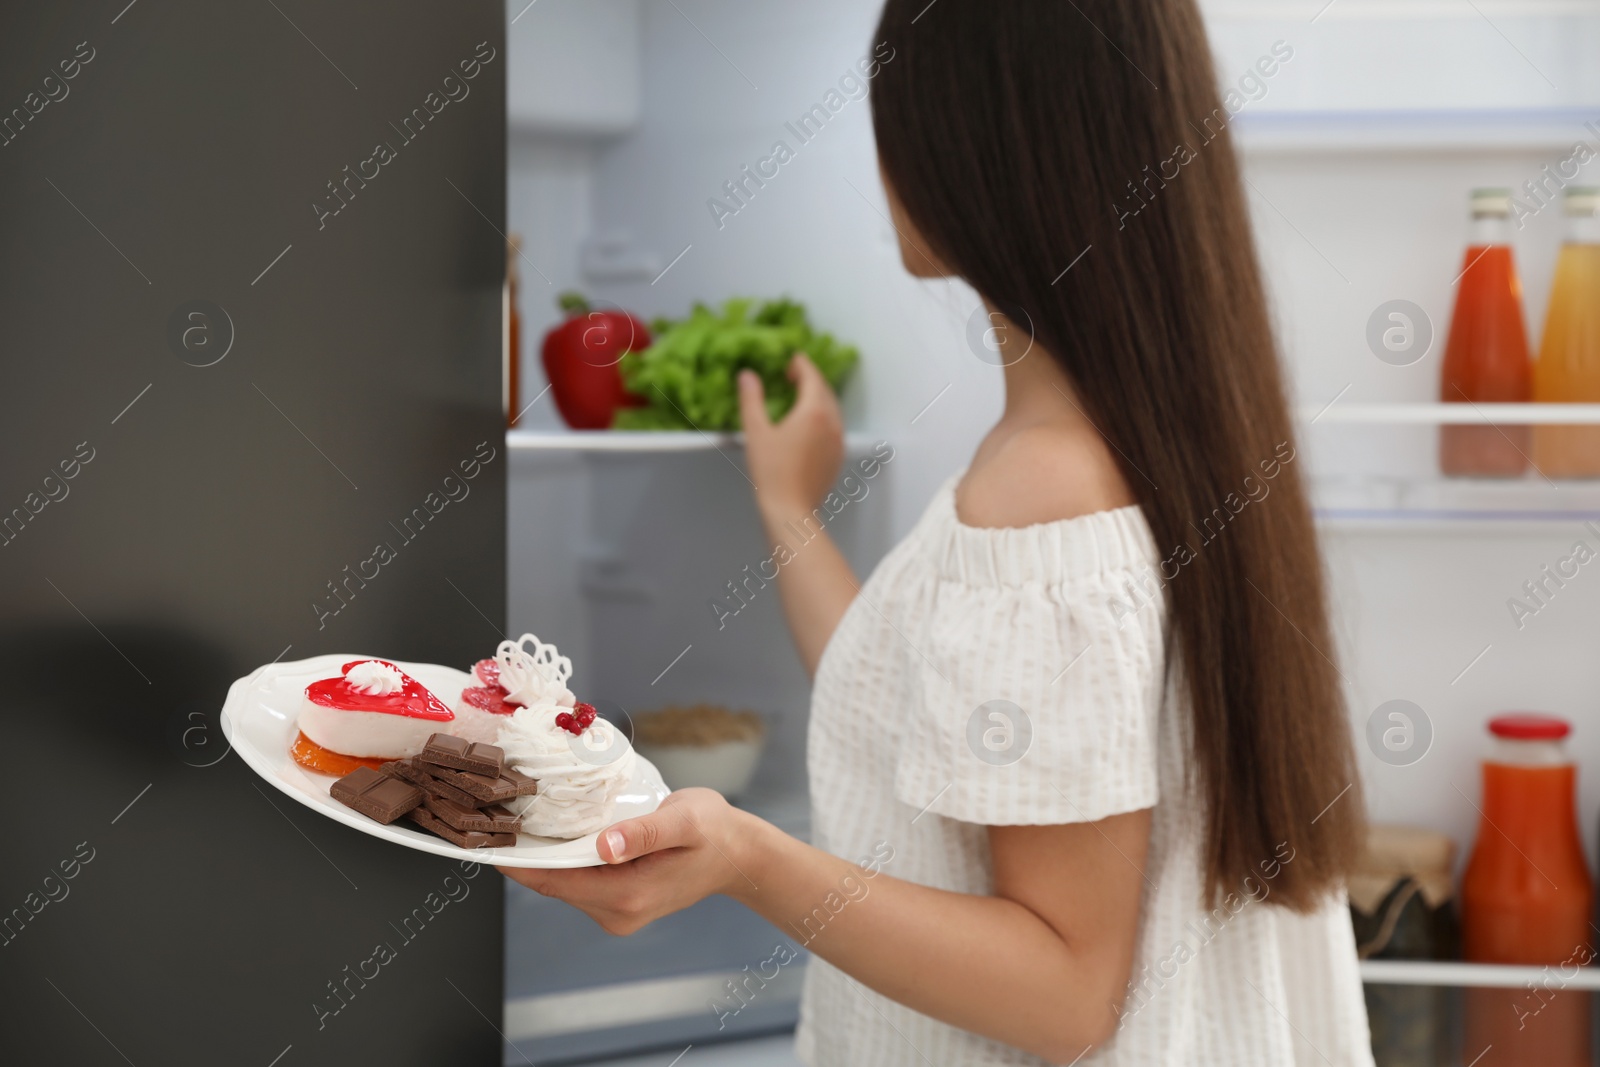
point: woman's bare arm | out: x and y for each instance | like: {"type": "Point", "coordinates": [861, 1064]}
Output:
{"type": "Point", "coordinates": [1042, 964]}
{"type": "Point", "coordinates": [793, 464]}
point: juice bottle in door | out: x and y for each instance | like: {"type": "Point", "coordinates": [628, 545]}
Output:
{"type": "Point", "coordinates": [512, 382]}
{"type": "Point", "coordinates": [1486, 356]}
{"type": "Point", "coordinates": [1568, 370]}
{"type": "Point", "coordinates": [1526, 899]}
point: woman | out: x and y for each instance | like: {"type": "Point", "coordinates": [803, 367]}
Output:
{"type": "Point", "coordinates": [1082, 781]}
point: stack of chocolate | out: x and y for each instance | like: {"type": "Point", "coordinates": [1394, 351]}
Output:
{"type": "Point", "coordinates": [453, 789]}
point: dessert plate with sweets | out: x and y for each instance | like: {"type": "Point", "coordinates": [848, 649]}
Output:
{"type": "Point", "coordinates": [502, 765]}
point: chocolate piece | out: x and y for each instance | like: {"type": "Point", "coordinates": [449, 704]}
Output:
{"type": "Point", "coordinates": [417, 774]}
{"type": "Point", "coordinates": [487, 789]}
{"type": "Point", "coordinates": [377, 796]}
{"type": "Point", "coordinates": [447, 750]}
{"type": "Point", "coordinates": [465, 838]}
{"type": "Point", "coordinates": [493, 819]}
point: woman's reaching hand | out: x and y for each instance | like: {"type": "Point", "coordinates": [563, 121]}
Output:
{"type": "Point", "coordinates": [793, 462]}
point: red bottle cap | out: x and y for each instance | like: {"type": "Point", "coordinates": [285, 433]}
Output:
{"type": "Point", "coordinates": [1529, 726]}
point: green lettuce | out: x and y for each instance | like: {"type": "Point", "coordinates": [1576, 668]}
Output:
{"type": "Point", "coordinates": [690, 374]}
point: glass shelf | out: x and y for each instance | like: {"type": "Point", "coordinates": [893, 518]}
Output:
{"type": "Point", "coordinates": [644, 441]}
{"type": "Point", "coordinates": [1414, 496]}
{"type": "Point", "coordinates": [1425, 414]}
{"type": "Point", "coordinates": [1417, 503]}
{"type": "Point", "coordinates": [1454, 974]}
{"type": "Point", "coordinates": [1380, 131]}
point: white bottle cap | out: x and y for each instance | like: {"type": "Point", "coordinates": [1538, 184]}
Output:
{"type": "Point", "coordinates": [1583, 200]}
{"type": "Point", "coordinates": [1491, 202]}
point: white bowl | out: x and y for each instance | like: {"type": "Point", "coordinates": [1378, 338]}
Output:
{"type": "Point", "coordinates": [726, 766]}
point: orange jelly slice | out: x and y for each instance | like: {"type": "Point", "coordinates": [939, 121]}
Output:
{"type": "Point", "coordinates": [313, 757]}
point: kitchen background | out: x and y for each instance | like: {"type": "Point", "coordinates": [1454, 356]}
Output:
{"type": "Point", "coordinates": [627, 116]}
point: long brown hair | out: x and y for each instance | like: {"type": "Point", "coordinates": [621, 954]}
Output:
{"type": "Point", "coordinates": [1018, 134]}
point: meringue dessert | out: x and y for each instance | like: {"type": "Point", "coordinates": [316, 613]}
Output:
{"type": "Point", "coordinates": [523, 672]}
{"type": "Point", "coordinates": [371, 713]}
{"type": "Point", "coordinates": [581, 761]}
{"type": "Point", "coordinates": [582, 764]}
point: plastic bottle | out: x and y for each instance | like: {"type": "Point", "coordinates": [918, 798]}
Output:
{"type": "Point", "coordinates": [1526, 898]}
{"type": "Point", "coordinates": [511, 383]}
{"type": "Point", "coordinates": [1486, 356]}
{"type": "Point", "coordinates": [1568, 370]}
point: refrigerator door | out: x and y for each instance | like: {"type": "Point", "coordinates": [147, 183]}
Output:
{"type": "Point", "coordinates": [251, 410]}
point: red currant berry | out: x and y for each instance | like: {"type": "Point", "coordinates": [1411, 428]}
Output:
{"type": "Point", "coordinates": [568, 723]}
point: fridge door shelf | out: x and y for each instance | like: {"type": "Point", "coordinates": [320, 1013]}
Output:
{"type": "Point", "coordinates": [1421, 503]}
{"type": "Point", "coordinates": [1456, 974]}
{"type": "Point", "coordinates": [1435, 414]}
{"type": "Point", "coordinates": [1285, 132]}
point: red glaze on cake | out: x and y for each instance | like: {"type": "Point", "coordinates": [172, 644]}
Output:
{"type": "Point", "coordinates": [413, 700]}
{"type": "Point", "coordinates": [488, 672]}
{"type": "Point", "coordinates": [491, 695]}
{"type": "Point", "coordinates": [523, 672]}
{"type": "Point", "coordinates": [372, 710]}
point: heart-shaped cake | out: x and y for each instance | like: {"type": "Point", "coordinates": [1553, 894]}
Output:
{"type": "Point", "coordinates": [372, 709]}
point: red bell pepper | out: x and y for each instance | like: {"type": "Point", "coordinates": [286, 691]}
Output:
{"type": "Point", "coordinates": [580, 359]}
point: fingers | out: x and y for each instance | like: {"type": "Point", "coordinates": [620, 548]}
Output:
{"type": "Point", "coordinates": [540, 881]}
{"type": "Point", "coordinates": [629, 840]}
{"type": "Point", "coordinates": [516, 874]}
{"type": "Point", "coordinates": [811, 388]}
{"type": "Point", "coordinates": [752, 403]}
{"type": "Point", "coordinates": [804, 374]}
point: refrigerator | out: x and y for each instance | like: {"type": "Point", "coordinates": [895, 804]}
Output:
{"type": "Point", "coordinates": [231, 361]}
{"type": "Point", "coordinates": [630, 127]}
{"type": "Point", "coordinates": [244, 341]}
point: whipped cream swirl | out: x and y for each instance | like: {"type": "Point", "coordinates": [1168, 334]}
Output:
{"type": "Point", "coordinates": [580, 776]}
{"type": "Point", "coordinates": [536, 675]}
{"type": "Point", "coordinates": [374, 678]}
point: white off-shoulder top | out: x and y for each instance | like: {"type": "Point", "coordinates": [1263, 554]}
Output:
{"type": "Point", "coordinates": [994, 677]}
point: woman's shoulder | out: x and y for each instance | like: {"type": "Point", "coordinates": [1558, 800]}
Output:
{"type": "Point", "coordinates": [1042, 474]}
{"type": "Point", "coordinates": [1040, 507]}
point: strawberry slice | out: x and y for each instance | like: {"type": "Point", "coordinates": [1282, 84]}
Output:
{"type": "Point", "coordinates": [413, 701]}
{"type": "Point", "coordinates": [490, 698]}
{"type": "Point", "coordinates": [488, 672]}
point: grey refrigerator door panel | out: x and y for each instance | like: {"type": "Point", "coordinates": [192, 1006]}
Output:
{"type": "Point", "coordinates": [249, 409]}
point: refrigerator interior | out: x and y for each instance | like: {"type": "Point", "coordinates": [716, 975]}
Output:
{"type": "Point", "coordinates": [627, 118]}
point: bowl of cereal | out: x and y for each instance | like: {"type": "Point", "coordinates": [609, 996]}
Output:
{"type": "Point", "coordinates": [701, 745]}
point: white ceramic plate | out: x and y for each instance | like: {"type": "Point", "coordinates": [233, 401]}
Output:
{"type": "Point", "coordinates": [258, 720]}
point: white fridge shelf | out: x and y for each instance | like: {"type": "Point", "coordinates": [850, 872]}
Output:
{"type": "Point", "coordinates": [617, 441]}
{"type": "Point", "coordinates": [1425, 414]}
{"type": "Point", "coordinates": [644, 441]}
{"type": "Point", "coordinates": [1373, 502]}
{"type": "Point", "coordinates": [1426, 501]}
{"type": "Point", "coordinates": [1411, 131]}
{"type": "Point", "coordinates": [1486, 975]}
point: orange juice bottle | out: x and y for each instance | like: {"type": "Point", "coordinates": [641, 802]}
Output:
{"type": "Point", "coordinates": [1526, 899]}
{"type": "Point", "coordinates": [512, 382]}
{"type": "Point", "coordinates": [1568, 370]}
{"type": "Point", "coordinates": [1486, 356]}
